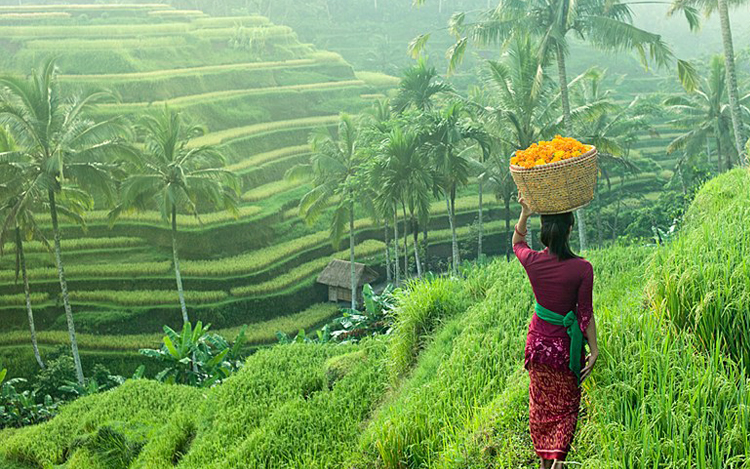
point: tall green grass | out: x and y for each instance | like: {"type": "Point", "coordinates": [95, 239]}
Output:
{"type": "Point", "coordinates": [702, 282]}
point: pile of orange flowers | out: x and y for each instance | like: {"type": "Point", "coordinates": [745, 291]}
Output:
{"type": "Point", "coordinates": [545, 152]}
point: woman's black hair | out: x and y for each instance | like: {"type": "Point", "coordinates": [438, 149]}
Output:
{"type": "Point", "coordinates": [555, 234]}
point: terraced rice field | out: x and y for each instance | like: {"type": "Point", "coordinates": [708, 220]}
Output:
{"type": "Point", "coordinates": [259, 105]}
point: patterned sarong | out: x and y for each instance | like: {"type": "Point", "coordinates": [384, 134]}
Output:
{"type": "Point", "coordinates": [554, 400]}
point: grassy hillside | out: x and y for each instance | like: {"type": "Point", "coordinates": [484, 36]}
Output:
{"type": "Point", "coordinates": [447, 390]}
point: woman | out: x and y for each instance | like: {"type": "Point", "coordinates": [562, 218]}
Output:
{"type": "Point", "coordinates": [563, 319]}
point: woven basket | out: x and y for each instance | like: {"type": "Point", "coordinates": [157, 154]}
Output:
{"type": "Point", "coordinates": [558, 187]}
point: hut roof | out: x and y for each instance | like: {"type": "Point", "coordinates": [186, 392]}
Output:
{"type": "Point", "coordinates": [337, 274]}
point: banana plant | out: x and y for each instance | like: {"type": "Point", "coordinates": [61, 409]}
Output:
{"type": "Point", "coordinates": [20, 409]}
{"type": "Point", "coordinates": [195, 357]}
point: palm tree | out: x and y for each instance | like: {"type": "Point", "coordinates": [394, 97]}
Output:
{"type": "Point", "coordinates": [419, 86]}
{"type": "Point", "coordinates": [173, 177]}
{"type": "Point", "coordinates": [611, 127]}
{"type": "Point", "coordinates": [522, 107]}
{"type": "Point", "coordinates": [377, 124]}
{"type": "Point", "coordinates": [335, 172]}
{"type": "Point", "coordinates": [15, 214]}
{"type": "Point", "coordinates": [722, 6]}
{"type": "Point", "coordinates": [500, 182]}
{"type": "Point", "coordinates": [705, 114]}
{"type": "Point", "coordinates": [409, 176]}
{"type": "Point", "coordinates": [606, 24]}
{"type": "Point", "coordinates": [384, 206]}
{"type": "Point", "coordinates": [62, 146]}
{"type": "Point", "coordinates": [518, 106]}
{"type": "Point", "coordinates": [448, 133]}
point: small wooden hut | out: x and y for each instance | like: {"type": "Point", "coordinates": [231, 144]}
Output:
{"type": "Point", "coordinates": [337, 276]}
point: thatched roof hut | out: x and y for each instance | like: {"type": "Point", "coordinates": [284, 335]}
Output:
{"type": "Point", "coordinates": [337, 276]}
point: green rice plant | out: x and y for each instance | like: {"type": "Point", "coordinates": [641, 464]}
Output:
{"type": "Point", "coordinates": [216, 138]}
{"type": "Point", "coordinates": [267, 190]}
{"type": "Point", "coordinates": [145, 297]}
{"type": "Point", "coordinates": [177, 13]}
{"type": "Point", "coordinates": [266, 32]}
{"type": "Point", "coordinates": [306, 273]}
{"type": "Point", "coordinates": [378, 80]}
{"type": "Point", "coordinates": [420, 307]}
{"type": "Point", "coordinates": [118, 78]}
{"type": "Point", "coordinates": [702, 281]}
{"type": "Point", "coordinates": [656, 401]}
{"type": "Point", "coordinates": [263, 332]}
{"type": "Point", "coordinates": [81, 244]}
{"type": "Point", "coordinates": [93, 44]}
{"type": "Point", "coordinates": [462, 366]}
{"type": "Point", "coordinates": [329, 417]}
{"type": "Point", "coordinates": [37, 32]}
{"type": "Point", "coordinates": [153, 217]}
{"type": "Point", "coordinates": [261, 158]}
{"type": "Point", "coordinates": [218, 22]}
{"type": "Point", "coordinates": [145, 401]}
{"type": "Point", "coordinates": [214, 96]}
{"type": "Point", "coordinates": [92, 271]}
{"type": "Point", "coordinates": [19, 299]}
{"type": "Point", "coordinates": [35, 16]}
{"type": "Point", "coordinates": [92, 6]}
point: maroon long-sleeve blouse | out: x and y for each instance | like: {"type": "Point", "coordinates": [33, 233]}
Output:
{"type": "Point", "coordinates": [559, 286]}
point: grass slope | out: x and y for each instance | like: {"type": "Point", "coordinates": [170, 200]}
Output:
{"type": "Point", "coordinates": [446, 389]}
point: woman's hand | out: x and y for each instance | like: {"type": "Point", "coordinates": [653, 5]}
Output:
{"type": "Point", "coordinates": [526, 212]}
{"type": "Point", "coordinates": [590, 362]}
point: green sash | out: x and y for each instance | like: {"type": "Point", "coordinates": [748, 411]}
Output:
{"type": "Point", "coordinates": [570, 322]}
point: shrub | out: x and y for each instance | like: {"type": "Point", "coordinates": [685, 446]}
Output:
{"type": "Point", "coordinates": [195, 357]}
{"type": "Point", "coordinates": [21, 409]}
{"type": "Point", "coordinates": [56, 374]}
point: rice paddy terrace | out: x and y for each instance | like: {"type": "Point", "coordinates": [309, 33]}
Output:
{"type": "Point", "coordinates": [259, 91]}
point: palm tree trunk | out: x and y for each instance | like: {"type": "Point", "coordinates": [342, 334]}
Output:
{"type": "Point", "coordinates": [29, 311]}
{"type": "Point", "coordinates": [406, 242]}
{"type": "Point", "coordinates": [481, 226]}
{"type": "Point", "coordinates": [719, 150]}
{"type": "Point", "coordinates": [388, 274]}
{"type": "Point", "coordinates": [352, 270]}
{"type": "Point", "coordinates": [453, 236]}
{"type": "Point", "coordinates": [395, 243]}
{"type": "Point", "coordinates": [508, 234]}
{"type": "Point", "coordinates": [450, 201]}
{"type": "Point", "coordinates": [64, 289]}
{"type": "Point", "coordinates": [599, 234]}
{"type": "Point", "coordinates": [426, 244]}
{"type": "Point", "coordinates": [617, 209]}
{"type": "Point", "coordinates": [568, 124]}
{"type": "Point", "coordinates": [176, 258]}
{"type": "Point", "coordinates": [415, 237]}
{"type": "Point", "coordinates": [731, 71]}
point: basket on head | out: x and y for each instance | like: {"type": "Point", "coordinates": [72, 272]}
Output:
{"type": "Point", "coordinates": [559, 187]}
